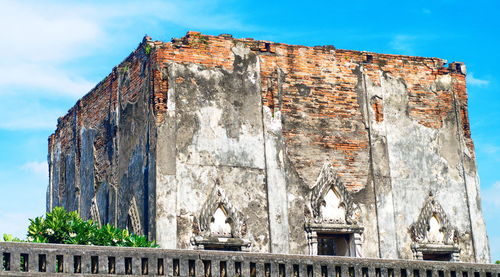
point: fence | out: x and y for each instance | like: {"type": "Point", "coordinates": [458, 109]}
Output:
{"type": "Point", "coordinates": [33, 259]}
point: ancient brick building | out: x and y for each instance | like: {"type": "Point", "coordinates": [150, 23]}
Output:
{"type": "Point", "coordinates": [211, 142]}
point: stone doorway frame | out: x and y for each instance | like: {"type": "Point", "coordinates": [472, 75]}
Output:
{"type": "Point", "coordinates": [355, 243]}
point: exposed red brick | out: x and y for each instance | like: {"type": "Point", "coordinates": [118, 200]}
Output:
{"type": "Point", "coordinates": [317, 83]}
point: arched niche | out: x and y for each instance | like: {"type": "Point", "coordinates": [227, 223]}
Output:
{"type": "Point", "coordinates": [94, 213]}
{"type": "Point", "coordinates": [133, 218]}
{"type": "Point", "coordinates": [332, 208]}
{"type": "Point", "coordinates": [219, 226]}
{"type": "Point", "coordinates": [332, 227]}
{"type": "Point", "coordinates": [435, 233]}
{"type": "Point", "coordinates": [433, 236]}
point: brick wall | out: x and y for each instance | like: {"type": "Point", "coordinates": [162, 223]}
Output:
{"type": "Point", "coordinates": [317, 84]}
{"type": "Point", "coordinates": [310, 86]}
{"type": "Point", "coordinates": [316, 92]}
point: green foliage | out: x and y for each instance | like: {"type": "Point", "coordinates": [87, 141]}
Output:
{"type": "Point", "coordinates": [198, 41]}
{"type": "Point", "coordinates": [497, 262]}
{"type": "Point", "coordinates": [198, 38]}
{"type": "Point", "coordinates": [9, 237]}
{"type": "Point", "coordinates": [60, 226]}
{"type": "Point", "coordinates": [124, 69]}
{"type": "Point", "coordinates": [147, 49]}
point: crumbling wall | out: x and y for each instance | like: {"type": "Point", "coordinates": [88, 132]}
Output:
{"type": "Point", "coordinates": [103, 151]}
{"type": "Point", "coordinates": [425, 145]}
{"type": "Point", "coordinates": [260, 120]}
{"type": "Point", "coordinates": [216, 140]}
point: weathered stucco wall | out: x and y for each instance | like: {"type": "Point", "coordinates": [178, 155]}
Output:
{"type": "Point", "coordinates": [182, 123]}
{"type": "Point", "coordinates": [102, 155]}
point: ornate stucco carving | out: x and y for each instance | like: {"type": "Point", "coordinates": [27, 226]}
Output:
{"type": "Point", "coordinates": [433, 226]}
{"type": "Point", "coordinates": [328, 183]}
{"type": "Point", "coordinates": [333, 211]}
{"type": "Point", "coordinates": [94, 213]}
{"type": "Point", "coordinates": [135, 220]}
{"type": "Point", "coordinates": [218, 202]}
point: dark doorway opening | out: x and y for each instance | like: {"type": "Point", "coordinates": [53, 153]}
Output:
{"type": "Point", "coordinates": [436, 256]}
{"type": "Point", "coordinates": [222, 247]}
{"type": "Point", "coordinates": [334, 244]}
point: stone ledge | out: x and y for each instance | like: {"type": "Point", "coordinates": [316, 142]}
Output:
{"type": "Point", "coordinates": [99, 260]}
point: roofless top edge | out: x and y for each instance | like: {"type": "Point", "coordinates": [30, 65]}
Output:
{"type": "Point", "coordinates": [225, 36]}
{"type": "Point", "coordinates": [221, 143]}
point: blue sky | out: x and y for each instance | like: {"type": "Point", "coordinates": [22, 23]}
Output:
{"type": "Point", "coordinates": [53, 52]}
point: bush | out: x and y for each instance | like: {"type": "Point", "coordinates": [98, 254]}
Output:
{"type": "Point", "coordinates": [8, 237]}
{"type": "Point", "coordinates": [60, 226]}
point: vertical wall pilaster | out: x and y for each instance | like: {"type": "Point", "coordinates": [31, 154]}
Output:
{"type": "Point", "coordinates": [276, 182]}
{"type": "Point", "coordinates": [166, 184]}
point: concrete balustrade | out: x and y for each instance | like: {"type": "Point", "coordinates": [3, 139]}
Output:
{"type": "Point", "coordinates": [33, 259]}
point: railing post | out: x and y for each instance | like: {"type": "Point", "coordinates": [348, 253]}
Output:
{"type": "Point", "coordinates": [51, 262]}
{"type": "Point", "coordinates": [316, 269]}
{"type": "Point", "coordinates": [259, 269]}
{"type": "Point", "coordinates": [344, 271]}
{"type": "Point", "coordinates": [397, 271]}
{"type": "Point", "coordinates": [136, 264]}
{"type": "Point", "coordinates": [102, 263]}
{"type": "Point", "coordinates": [331, 270]}
{"type": "Point", "coordinates": [383, 272]}
{"type": "Point", "coordinates": [274, 270]}
{"type": "Point", "coordinates": [302, 270]}
{"type": "Point", "coordinates": [215, 263]}
{"type": "Point", "coordinates": [230, 267]}
{"type": "Point", "coordinates": [32, 261]}
{"type": "Point", "coordinates": [153, 264]}
{"type": "Point", "coordinates": [183, 266]}
{"type": "Point", "coordinates": [245, 268]}
{"type": "Point", "coordinates": [372, 271]}
{"type": "Point", "coordinates": [199, 267]}
{"type": "Point", "coordinates": [15, 260]}
{"type": "Point", "coordinates": [119, 264]}
{"type": "Point", "coordinates": [358, 271]}
{"type": "Point", "coordinates": [288, 268]}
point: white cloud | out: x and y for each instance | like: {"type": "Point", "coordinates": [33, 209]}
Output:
{"type": "Point", "coordinates": [491, 195]}
{"type": "Point", "coordinates": [471, 80]}
{"type": "Point", "coordinates": [21, 114]}
{"type": "Point", "coordinates": [490, 149]}
{"type": "Point", "coordinates": [43, 43]}
{"type": "Point", "coordinates": [39, 38]}
{"type": "Point", "coordinates": [495, 247]}
{"type": "Point", "coordinates": [15, 224]}
{"type": "Point", "coordinates": [51, 80]}
{"type": "Point", "coordinates": [36, 42]}
{"type": "Point", "coordinates": [491, 203]}
{"type": "Point", "coordinates": [38, 168]}
{"type": "Point", "coordinates": [45, 33]}
{"type": "Point", "coordinates": [404, 44]}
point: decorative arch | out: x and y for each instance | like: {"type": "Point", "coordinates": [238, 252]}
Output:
{"type": "Point", "coordinates": [94, 213]}
{"type": "Point", "coordinates": [333, 217]}
{"type": "Point", "coordinates": [219, 225]}
{"type": "Point", "coordinates": [330, 192]}
{"type": "Point", "coordinates": [433, 234]}
{"type": "Point", "coordinates": [133, 218]}
{"type": "Point", "coordinates": [217, 204]}
{"type": "Point", "coordinates": [432, 225]}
